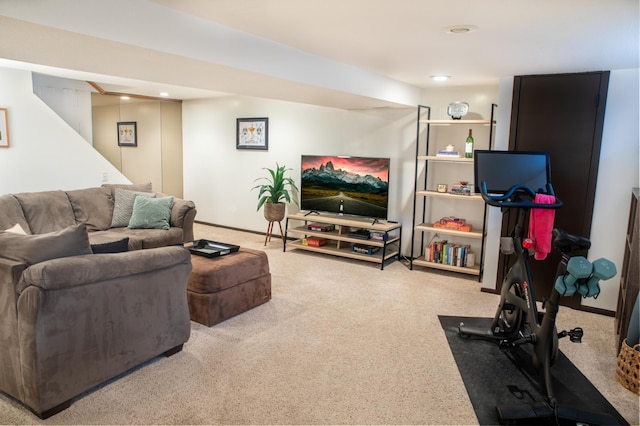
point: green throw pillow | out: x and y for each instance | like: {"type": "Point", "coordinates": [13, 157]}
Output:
{"type": "Point", "coordinates": [151, 213]}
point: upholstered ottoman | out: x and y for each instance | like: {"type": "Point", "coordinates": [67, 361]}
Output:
{"type": "Point", "coordinates": [219, 288]}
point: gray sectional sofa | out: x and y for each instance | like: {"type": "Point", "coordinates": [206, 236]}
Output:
{"type": "Point", "coordinates": [42, 212]}
{"type": "Point", "coordinates": [71, 319]}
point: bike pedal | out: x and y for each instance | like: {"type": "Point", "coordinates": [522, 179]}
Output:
{"type": "Point", "coordinates": [576, 334]}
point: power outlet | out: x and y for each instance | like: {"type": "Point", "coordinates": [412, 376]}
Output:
{"type": "Point", "coordinates": [105, 177]}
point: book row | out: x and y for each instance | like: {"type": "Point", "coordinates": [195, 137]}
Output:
{"type": "Point", "coordinates": [450, 254]}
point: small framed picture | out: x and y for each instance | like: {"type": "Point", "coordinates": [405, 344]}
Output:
{"type": "Point", "coordinates": [252, 133]}
{"type": "Point", "coordinates": [4, 128]}
{"type": "Point", "coordinates": [127, 133]}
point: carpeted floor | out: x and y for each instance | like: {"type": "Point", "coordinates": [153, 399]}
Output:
{"type": "Point", "coordinates": [341, 342]}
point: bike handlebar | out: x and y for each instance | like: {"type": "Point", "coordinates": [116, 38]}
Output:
{"type": "Point", "coordinates": [513, 197]}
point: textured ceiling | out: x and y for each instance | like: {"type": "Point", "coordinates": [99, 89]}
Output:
{"type": "Point", "coordinates": [343, 53]}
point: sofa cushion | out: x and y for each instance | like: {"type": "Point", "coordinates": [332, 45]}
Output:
{"type": "Point", "coordinates": [93, 207]}
{"type": "Point", "coordinates": [31, 249]}
{"type": "Point", "coordinates": [151, 213]}
{"type": "Point", "coordinates": [12, 213]}
{"type": "Point", "coordinates": [117, 234]}
{"type": "Point", "coordinates": [123, 206]}
{"type": "Point", "coordinates": [119, 246]}
{"type": "Point", "coordinates": [153, 238]}
{"type": "Point", "coordinates": [142, 187]}
{"type": "Point", "coordinates": [47, 211]}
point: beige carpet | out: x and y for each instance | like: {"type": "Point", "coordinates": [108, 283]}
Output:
{"type": "Point", "coordinates": [341, 342]}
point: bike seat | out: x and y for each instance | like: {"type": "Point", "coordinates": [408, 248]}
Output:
{"type": "Point", "coordinates": [566, 242]}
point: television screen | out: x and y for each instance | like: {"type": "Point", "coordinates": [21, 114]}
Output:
{"type": "Point", "coordinates": [347, 185]}
{"type": "Point", "coordinates": [504, 169]}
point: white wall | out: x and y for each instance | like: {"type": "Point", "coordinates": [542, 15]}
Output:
{"type": "Point", "coordinates": [618, 173]}
{"type": "Point", "coordinates": [494, 216]}
{"type": "Point", "coordinates": [70, 99]}
{"type": "Point", "coordinates": [45, 153]}
{"type": "Point", "coordinates": [218, 177]}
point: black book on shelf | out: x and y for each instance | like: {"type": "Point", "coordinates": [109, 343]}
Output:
{"type": "Point", "coordinates": [362, 234]}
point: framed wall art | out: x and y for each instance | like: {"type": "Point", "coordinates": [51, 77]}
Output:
{"type": "Point", "coordinates": [4, 128]}
{"type": "Point", "coordinates": [127, 133]}
{"type": "Point", "coordinates": [252, 133]}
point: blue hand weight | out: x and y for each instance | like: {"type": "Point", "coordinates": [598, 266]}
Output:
{"type": "Point", "coordinates": [603, 269]}
{"type": "Point", "coordinates": [577, 268]}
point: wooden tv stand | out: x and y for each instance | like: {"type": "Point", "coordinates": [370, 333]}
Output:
{"type": "Point", "coordinates": [339, 242]}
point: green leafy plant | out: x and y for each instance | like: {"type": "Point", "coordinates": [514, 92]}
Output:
{"type": "Point", "coordinates": [277, 188]}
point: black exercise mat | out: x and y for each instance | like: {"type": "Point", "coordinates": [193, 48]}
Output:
{"type": "Point", "coordinates": [495, 377]}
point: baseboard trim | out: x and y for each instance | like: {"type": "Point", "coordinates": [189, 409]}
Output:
{"type": "Point", "coordinates": [590, 309]}
{"type": "Point", "coordinates": [234, 228]}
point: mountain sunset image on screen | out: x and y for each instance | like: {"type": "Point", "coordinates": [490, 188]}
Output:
{"type": "Point", "coordinates": [348, 185]}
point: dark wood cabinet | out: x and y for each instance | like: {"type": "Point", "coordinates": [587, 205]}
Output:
{"type": "Point", "coordinates": [629, 274]}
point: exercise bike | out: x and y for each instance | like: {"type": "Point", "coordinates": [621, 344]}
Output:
{"type": "Point", "coordinates": [517, 320]}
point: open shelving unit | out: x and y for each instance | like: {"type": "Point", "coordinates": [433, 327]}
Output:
{"type": "Point", "coordinates": [339, 241]}
{"type": "Point", "coordinates": [428, 171]}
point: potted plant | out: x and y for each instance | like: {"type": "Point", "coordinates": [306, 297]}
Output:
{"type": "Point", "coordinates": [275, 193]}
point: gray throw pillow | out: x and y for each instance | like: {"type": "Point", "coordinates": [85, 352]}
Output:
{"type": "Point", "coordinates": [31, 249]}
{"type": "Point", "coordinates": [123, 206]}
{"type": "Point", "coordinates": [92, 206]}
{"type": "Point", "coordinates": [46, 211]}
{"type": "Point", "coordinates": [151, 213]}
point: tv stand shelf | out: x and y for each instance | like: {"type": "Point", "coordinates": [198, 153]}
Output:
{"type": "Point", "coordinates": [339, 242]}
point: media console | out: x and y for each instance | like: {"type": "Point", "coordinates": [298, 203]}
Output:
{"type": "Point", "coordinates": [337, 241]}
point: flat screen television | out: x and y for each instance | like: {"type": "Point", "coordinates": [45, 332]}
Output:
{"type": "Point", "coordinates": [345, 185]}
{"type": "Point", "coordinates": [504, 169]}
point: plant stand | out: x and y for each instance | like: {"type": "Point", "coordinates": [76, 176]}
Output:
{"type": "Point", "coordinates": [273, 212]}
{"type": "Point", "coordinates": [267, 237]}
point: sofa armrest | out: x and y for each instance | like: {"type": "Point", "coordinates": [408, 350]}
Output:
{"type": "Point", "coordinates": [56, 274]}
{"type": "Point", "coordinates": [180, 212]}
{"type": "Point", "coordinates": [10, 379]}
{"type": "Point", "coordinates": [10, 273]}
{"type": "Point", "coordinates": [183, 214]}
{"type": "Point", "coordinates": [187, 226]}
{"type": "Point", "coordinates": [86, 319]}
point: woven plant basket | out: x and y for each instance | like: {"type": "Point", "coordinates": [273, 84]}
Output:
{"type": "Point", "coordinates": [274, 212]}
{"type": "Point", "coordinates": [628, 367]}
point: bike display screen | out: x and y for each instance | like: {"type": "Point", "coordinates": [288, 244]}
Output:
{"type": "Point", "coordinates": [503, 169]}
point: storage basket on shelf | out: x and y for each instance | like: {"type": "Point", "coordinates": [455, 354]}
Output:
{"type": "Point", "coordinates": [628, 367]}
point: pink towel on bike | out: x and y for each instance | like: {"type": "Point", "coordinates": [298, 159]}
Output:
{"type": "Point", "coordinates": [541, 226]}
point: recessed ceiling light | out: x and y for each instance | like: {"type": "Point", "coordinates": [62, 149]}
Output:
{"type": "Point", "coordinates": [124, 98]}
{"type": "Point", "coordinates": [164, 94]}
{"type": "Point", "coordinates": [460, 29]}
{"type": "Point", "coordinates": [440, 77]}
